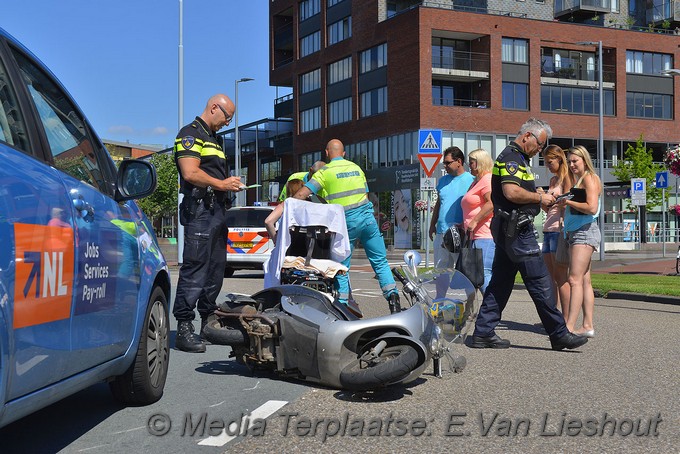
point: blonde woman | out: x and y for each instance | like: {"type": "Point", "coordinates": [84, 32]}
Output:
{"type": "Point", "coordinates": [583, 235]}
{"type": "Point", "coordinates": [478, 209]}
{"type": "Point", "coordinates": [556, 162]}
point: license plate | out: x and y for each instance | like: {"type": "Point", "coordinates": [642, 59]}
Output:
{"type": "Point", "coordinates": [242, 245]}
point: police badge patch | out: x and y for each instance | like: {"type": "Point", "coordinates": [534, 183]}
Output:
{"type": "Point", "coordinates": [511, 167]}
{"type": "Point", "coordinates": [188, 142]}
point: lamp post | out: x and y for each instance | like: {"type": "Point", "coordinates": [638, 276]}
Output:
{"type": "Point", "coordinates": [237, 149]}
{"type": "Point", "coordinates": [180, 121]}
{"type": "Point", "coordinates": [673, 72]}
{"type": "Point", "coordinates": [600, 144]}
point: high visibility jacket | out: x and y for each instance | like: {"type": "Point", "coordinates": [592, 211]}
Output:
{"type": "Point", "coordinates": [344, 183]}
{"type": "Point", "coordinates": [296, 176]}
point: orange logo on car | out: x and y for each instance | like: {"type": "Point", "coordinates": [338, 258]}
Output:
{"type": "Point", "coordinates": [44, 274]}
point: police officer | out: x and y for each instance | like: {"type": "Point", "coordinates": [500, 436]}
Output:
{"type": "Point", "coordinates": [516, 201]}
{"type": "Point", "coordinates": [202, 169]}
{"type": "Point", "coordinates": [304, 176]}
{"type": "Point", "coordinates": [345, 184]}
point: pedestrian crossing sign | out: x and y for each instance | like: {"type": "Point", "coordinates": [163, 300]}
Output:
{"type": "Point", "coordinates": [430, 141]}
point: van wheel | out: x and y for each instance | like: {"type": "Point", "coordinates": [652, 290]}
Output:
{"type": "Point", "coordinates": [143, 382]}
{"type": "Point", "coordinates": [228, 272]}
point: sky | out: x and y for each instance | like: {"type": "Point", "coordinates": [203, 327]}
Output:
{"type": "Point", "coordinates": [119, 59]}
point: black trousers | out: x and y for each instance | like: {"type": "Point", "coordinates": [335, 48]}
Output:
{"type": "Point", "coordinates": [205, 256]}
{"type": "Point", "coordinates": [520, 254]}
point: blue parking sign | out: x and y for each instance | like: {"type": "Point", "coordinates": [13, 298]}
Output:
{"type": "Point", "coordinates": [661, 180]}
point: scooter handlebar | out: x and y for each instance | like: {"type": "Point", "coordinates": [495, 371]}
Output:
{"type": "Point", "coordinates": [399, 276]}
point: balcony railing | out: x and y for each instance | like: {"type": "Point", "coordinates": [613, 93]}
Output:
{"type": "Point", "coordinates": [666, 11]}
{"type": "Point", "coordinates": [464, 61]}
{"type": "Point", "coordinates": [562, 6]}
{"type": "Point", "coordinates": [458, 102]}
{"type": "Point", "coordinates": [577, 71]}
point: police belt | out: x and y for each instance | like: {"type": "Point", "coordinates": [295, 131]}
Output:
{"type": "Point", "coordinates": [515, 221]}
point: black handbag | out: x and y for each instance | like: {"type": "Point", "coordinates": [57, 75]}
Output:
{"type": "Point", "coordinates": [471, 263]}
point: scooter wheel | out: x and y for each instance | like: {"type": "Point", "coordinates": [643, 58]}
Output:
{"type": "Point", "coordinates": [396, 363]}
{"type": "Point", "coordinates": [223, 332]}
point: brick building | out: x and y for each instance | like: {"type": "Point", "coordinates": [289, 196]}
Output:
{"type": "Point", "coordinates": [373, 73]}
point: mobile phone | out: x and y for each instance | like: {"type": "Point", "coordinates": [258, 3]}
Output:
{"type": "Point", "coordinates": [566, 196]}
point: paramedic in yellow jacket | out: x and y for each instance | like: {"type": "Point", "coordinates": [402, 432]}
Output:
{"type": "Point", "coordinates": [345, 184]}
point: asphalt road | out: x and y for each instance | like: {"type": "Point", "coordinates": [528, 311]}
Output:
{"type": "Point", "coordinates": [525, 399]}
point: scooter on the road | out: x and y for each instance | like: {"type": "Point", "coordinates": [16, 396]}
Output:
{"type": "Point", "coordinates": [297, 331]}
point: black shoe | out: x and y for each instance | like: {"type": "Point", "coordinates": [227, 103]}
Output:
{"type": "Point", "coordinates": [569, 341]}
{"type": "Point", "coordinates": [205, 321]}
{"type": "Point", "coordinates": [489, 342]}
{"type": "Point", "coordinates": [186, 340]}
{"type": "Point", "coordinates": [394, 304]}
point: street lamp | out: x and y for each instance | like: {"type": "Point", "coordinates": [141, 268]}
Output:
{"type": "Point", "coordinates": [180, 122]}
{"type": "Point", "coordinates": [600, 145]}
{"type": "Point", "coordinates": [237, 149]}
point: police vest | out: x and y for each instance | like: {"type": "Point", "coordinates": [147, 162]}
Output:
{"type": "Point", "coordinates": [511, 167]}
{"type": "Point", "coordinates": [344, 183]}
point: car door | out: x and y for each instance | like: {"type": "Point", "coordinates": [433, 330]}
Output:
{"type": "Point", "coordinates": [106, 255]}
{"type": "Point", "coordinates": [36, 255]}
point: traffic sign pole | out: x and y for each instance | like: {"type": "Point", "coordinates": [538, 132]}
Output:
{"type": "Point", "coordinates": [663, 221]}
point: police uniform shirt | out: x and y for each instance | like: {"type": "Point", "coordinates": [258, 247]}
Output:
{"type": "Point", "coordinates": [512, 167]}
{"type": "Point", "coordinates": [196, 140]}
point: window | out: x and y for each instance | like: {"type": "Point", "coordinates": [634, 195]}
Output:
{"type": "Point", "coordinates": [270, 170]}
{"type": "Point", "coordinates": [514, 50]}
{"type": "Point", "coordinates": [647, 62]}
{"type": "Point", "coordinates": [70, 140]}
{"type": "Point", "coordinates": [310, 44]}
{"type": "Point", "coordinates": [515, 96]}
{"type": "Point", "coordinates": [575, 100]}
{"type": "Point", "coordinates": [307, 160]}
{"type": "Point", "coordinates": [649, 105]}
{"type": "Point", "coordinates": [451, 54]}
{"type": "Point", "coordinates": [374, 102]}
{"type": "Point", "coordinates": [340, 70]}
{"type": "Point", "coordinates": [310, 119]}
{"type": "Point", "coordinates": [340, 111]}
{"type": "Point", "coordinates": [373, 58]}
{"type": "Point", "coordinates": [309, 8]}
{"type": "Point", "coordinates": [310, 81]}
{"type": "Point", "coordinates": [334, 2]}
{"type": "Point", "coordinates": [12, 125]}
{"type": "Point", "coordinates": [340, 30]}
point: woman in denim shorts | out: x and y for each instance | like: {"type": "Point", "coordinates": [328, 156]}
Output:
{"type": "Point", "coordinates": [583, 234]}
{"type": "Point", "coordinates": [556, 162]}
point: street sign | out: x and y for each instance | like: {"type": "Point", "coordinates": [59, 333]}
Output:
{"type": "Point", "coordinates": [428, 184]}
{"type": "Point", "coordinates": [429, 149]}
{"type": "Point", "coordinates": [430, 141]}
{"type": "Point", "coordinates": [638, 191]}
{"type": "Point", "coordinates": [661, 180]}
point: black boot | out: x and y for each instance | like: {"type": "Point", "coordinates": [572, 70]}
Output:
{"type": "Point", "coordinates": [394, 304]}
{"type": "Point", "coordinates": [186, 340]}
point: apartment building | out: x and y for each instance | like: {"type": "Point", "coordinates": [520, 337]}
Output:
{"type": "Point", "coordinates": [374, 72]}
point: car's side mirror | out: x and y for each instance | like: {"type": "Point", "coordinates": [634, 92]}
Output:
{"type": "Point", "coordinates": [136, 179]}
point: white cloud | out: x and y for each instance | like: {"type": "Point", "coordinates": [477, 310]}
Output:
{"type": "Point", "coordinates": [121, 129]}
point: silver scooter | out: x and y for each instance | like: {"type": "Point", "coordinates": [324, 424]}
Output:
{"type": "Point", "coordinates": [300, 332]}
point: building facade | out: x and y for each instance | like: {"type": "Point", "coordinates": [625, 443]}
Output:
{"type": "Point", "coordinates": [373, 73]}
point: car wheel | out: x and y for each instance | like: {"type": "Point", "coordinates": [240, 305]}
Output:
{"type": "Point", "coordinates": [228, 272]}
{"type": "Point", "coordinates": [144, 381]}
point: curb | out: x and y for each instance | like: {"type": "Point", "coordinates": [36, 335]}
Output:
{"type": "Point", "coordinates": [661, 299]}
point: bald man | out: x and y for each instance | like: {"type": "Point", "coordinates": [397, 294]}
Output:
{"type": "Point", "coordinates": [345, 184]}
{"type": "Point", "coordinates": [202, 168]}
{"type": "Point", "coordinates": [304, 176]}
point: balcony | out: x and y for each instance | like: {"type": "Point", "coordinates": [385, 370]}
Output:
{"type": "Point", "coordinates": [461, 66]}
{"type": "Point", "coordinates": [664, 12]}
{"type": "Point", "coordinates": [581, 8]}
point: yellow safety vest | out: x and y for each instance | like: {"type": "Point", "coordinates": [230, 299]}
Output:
{"type": "Point", "coordinates": [344, 183]}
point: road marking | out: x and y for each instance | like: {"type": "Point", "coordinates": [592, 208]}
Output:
{"type": "Point", "coordinates": [256, 385]}
{"type": "Point", "coordinates": [262, 412]}
{"type": "Point", "coordinates": [128, 430]}
{"type": "Point", "coordinates": [217, 405]}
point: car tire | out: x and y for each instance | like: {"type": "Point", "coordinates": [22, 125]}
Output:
{"type": "Point", "coordinates": [143, 382]}
{"type": "Point", "coordinates": [228, 272]}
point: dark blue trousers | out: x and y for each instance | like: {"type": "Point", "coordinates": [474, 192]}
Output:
{"type": "Point", "coordinates": [520, 254]}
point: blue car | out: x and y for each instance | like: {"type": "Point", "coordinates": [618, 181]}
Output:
{"type": "Point", "coordinates": [84, 287]}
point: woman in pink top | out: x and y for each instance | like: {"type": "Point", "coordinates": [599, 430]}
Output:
{"type": "Point", "coordinates": [556, 162]}
{"type": "Point", "coordinates": [478, 209]}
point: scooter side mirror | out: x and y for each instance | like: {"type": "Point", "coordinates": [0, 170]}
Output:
{"type": "Point", "coordinates": [412, 259]}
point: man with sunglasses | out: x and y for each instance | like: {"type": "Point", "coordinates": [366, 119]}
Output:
{"type": "Point", "coordinates": [204, 182]}
{"type": "Point", "coordinates": [516, 202]}
{"type": "Point", "coordinates": [451, 188]}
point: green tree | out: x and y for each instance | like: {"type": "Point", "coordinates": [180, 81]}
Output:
{"type": "Point", "coordinates": [163, 202]}
{"type": "Point", "coordinates": [637, 163]}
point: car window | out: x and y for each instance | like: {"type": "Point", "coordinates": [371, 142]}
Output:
{"type": "Point", "coordinates": [12, 125]}
{"type": "Point", "coordinates": [246, 217]}
{"type": "Point", "coordinates": [68, 136]}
